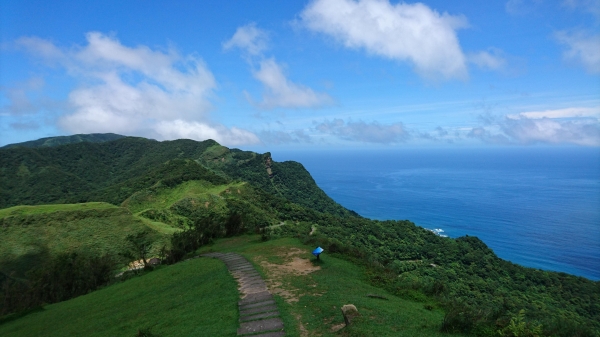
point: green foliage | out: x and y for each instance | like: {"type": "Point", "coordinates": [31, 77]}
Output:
{"type": "Point", "coordinates": [32, 234]}
{"type": "Point", "coordinates": [76, 172]}
{"type": "Point", "coordinates": [113, 171]}
{"type": "Point", "coordinates": [518, 327]}
{"type": "Point", "coordinates": [140, 245]}
{"type": "Point", "coordinates": [478, 290]}
{"type": "Point", "coordinates": [63, 140]}
{"type": "Point", "coordinates": [177, 300]}
{"type": "Point", "coordinates": [289, 180]}
{"type": "Point", "coordinates": [62, 277]}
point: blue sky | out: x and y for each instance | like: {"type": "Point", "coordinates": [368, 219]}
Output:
{"type": "Point", "coordinates": [304, 74]}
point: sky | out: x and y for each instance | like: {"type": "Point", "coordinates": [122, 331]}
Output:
{"type": "Point", "coordinates": [304, 74]}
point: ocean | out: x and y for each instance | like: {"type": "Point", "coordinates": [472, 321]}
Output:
{"type": "Point", "coordinates": [538, 207]}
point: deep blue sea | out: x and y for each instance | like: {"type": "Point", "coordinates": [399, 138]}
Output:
{"type": "Point", "coordinates": [538, 207]}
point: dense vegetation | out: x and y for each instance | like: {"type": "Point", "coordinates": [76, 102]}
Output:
{"type": "Point", "coordinates": [201, 191]}
{"type": "Point", "coordinates": [480, 291]}
{"type": "Point", "coordinates": [164, 302]}
{"type": "Point", "coordinates": [108, 171]}
{"type": "Point", "coordinates": [60, 278]}
{"type": "Point", "coordinates": [62, 140]}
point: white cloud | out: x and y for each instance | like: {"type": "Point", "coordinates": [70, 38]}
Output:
{"type": "Point", "coordinates": [403, 32]}
{"type": "Point", "coordinates": [488, 137]}
{"type": "Point", "coordinates": [492, 59]}
{"type": "Point", "coordinates": [19, 100]}
{"type": "Point", "coordinates": [559, 113]}
{"type": "Point", "coordinates": [546, 130]}
{"type": "Point", "coordinates": [365, 132]}
{"type": "Point", "coordinates": [136, 90]}
{"type": "Point", "coordinates": [520, 7]}
{"type": "Point", "coordinates": [582, 47]}
{"type": "Point", "coordinates": [561, 126]}
{"type": "Point", "coordinates": [42, 48]}
{"type": "Point", "coordinates": [284, 137]}
{"type": "Point", "coordinates": [282, 93]}
{"type": "Point", "coordinates": [591, 6]}
{"type": "Point", "coordinates": [249, 38]}
{"type": "Point", "coordinates": [195, 130]}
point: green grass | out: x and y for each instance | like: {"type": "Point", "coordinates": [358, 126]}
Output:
{"type": "Point", "coordinates": [30, 234]}
{"type": "Point", "coordinates": [198, 297]}
{"type": "Point", "coordinates": [166, 197]}
{"type": "Point", "coordinates": [321, 294]}
{"type": "Point", "coordinates": [193, 298]}
{"type": "Point", "coordinates": [158, 226]}
{"type": "Point", "coordinates": [42, 209]}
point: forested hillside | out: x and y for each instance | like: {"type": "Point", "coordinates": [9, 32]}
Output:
{"type": "Point", "coordinates": [63, 140]}
{"type": "Point", "coordinates": [76, 172]}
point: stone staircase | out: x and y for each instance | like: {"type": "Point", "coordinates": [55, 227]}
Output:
{"type": "Point", "coordinates": [259, 316]}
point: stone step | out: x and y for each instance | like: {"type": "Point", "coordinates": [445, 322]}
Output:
{"type": "Point", "coordinates": [235, 260]}
{"type": "Point", "coordinates": [258, 297]}
{"type": "Point", "coordinates": [270, 334]}
{"type": "Point", "coordinates": [254, 311]}
{"type": "Point", "coordinates": [258, 311]}
{"type": "Point", "coordinates": [256, 304]}
{"type": "Point", "coordinates": [241, 267]}
{"type": "Point", "coordinates": [238, 265]}
{"type": "Point", "coordinates": [265, 325]}
{"type": "Point", "coordinates": [255, 290]}
{"type": "Point", "coordinates": [244, 274]}
{"type": "Point", "coordinates": [248, 280]}
{"type": "Point", "coordinates": [259, 316]}
{"type": "Point", "coordinates": [248, 276]}
{"type": "Point", "coordinates": [257, 283]}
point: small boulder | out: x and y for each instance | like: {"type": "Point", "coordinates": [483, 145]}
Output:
{"type": "Point", "coordinates": [154, 261]}
{"type": "Point", "coordinates": [350, 312]}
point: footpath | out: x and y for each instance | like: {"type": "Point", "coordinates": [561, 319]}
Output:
{"type": "Point", "coordinates": [259, 316]}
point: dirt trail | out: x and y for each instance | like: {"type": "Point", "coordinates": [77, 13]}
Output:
{"type": "Point", "coordinates": [278, 278]}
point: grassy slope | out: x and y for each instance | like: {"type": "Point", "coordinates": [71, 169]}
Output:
{"type": "Point", "coordinates": [42, 209]}
{"type": "Point", "coordinates": [165, 198]}
{"type": "Point", "coordinates": [31, 233]}
{"type": "Point", "coordinates": [198, 297]}
{"type": "Point", "coordinates": [178, 300]}
{"type": "Point", "coordinates": [322, 293]}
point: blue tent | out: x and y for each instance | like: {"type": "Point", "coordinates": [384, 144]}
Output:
{"type": "Point", "coordinates": [317, 251]}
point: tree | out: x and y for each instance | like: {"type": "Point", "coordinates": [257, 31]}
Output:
{"type": "Point", "coordinates": [140, 244]}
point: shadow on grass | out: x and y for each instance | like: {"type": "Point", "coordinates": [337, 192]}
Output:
{"type": "Point", "coordinates": [12, 317]}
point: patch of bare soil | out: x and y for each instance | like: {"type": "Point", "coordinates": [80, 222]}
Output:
{"type": "Point", "coordinates": [301, 327]}
{"type": "Point", "coordinates": [294, 265]}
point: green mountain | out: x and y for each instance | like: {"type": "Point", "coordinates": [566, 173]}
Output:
{"type": "Point", "coordinates": [87, 197]}
{"type": "Point", "coordinates": [76, 172]}
{"type": "Point", "coordinates": [62, 140]}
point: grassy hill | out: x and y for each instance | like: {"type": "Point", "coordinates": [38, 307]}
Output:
{"type": "Point", "coordinates": [31, 234]}
{"type": "Point", "coordinates": [181, 300]}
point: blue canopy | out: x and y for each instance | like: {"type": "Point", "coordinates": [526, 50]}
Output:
{"type": "Point", "coordinates": [317, 251]}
